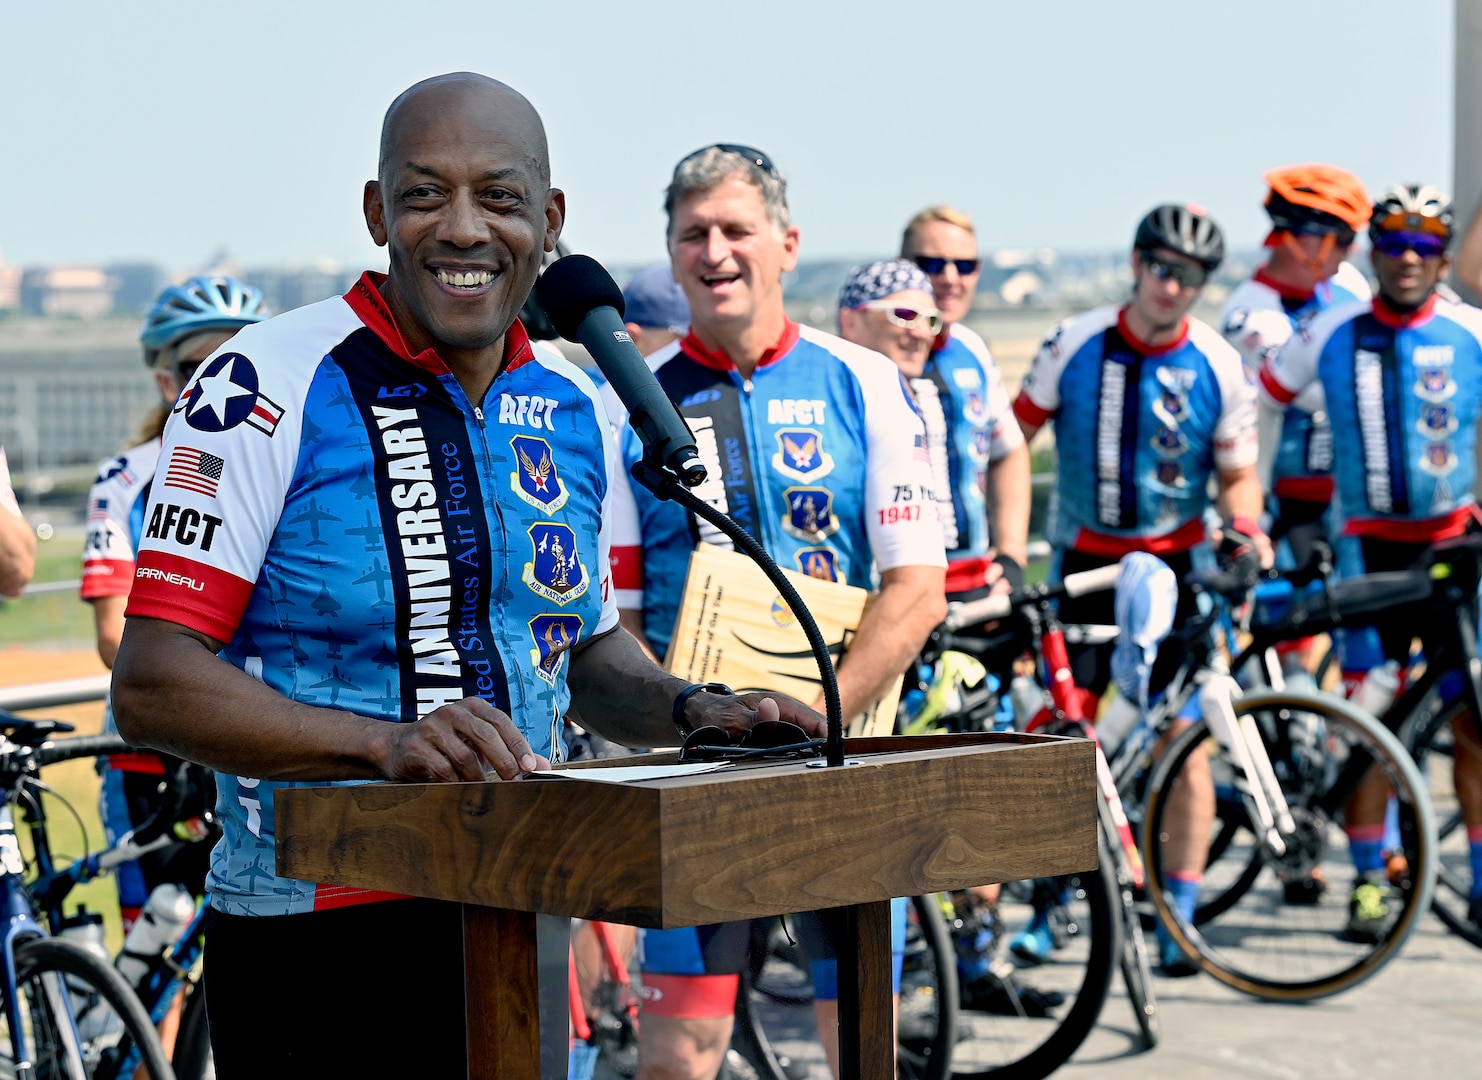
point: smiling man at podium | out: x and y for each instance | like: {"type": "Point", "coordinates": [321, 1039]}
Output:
{"type": "Point", "coordinates": [377, 549]}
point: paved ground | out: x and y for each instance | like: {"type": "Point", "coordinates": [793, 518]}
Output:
{"type": "Point", "coordinates": [1416, 1018]}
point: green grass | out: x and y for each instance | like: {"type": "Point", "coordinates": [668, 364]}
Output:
{"type": "Point", "coordinates": [51, 619]}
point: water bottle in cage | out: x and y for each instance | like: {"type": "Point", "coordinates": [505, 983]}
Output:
{"type": "Point", "coordinates": [166, 913]}
{"type": "Point", "coordinates": [95, 1017]}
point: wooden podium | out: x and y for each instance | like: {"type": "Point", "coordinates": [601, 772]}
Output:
{"type": "Point", "coordinates": [910, 815]}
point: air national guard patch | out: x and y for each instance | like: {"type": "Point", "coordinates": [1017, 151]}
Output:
{"type": "Point", "coordinates": [536, 480]}
{"type": "Point", "coordinates": [810, 513]}
{"type": "Point", "coordinates": [818, 563]}
{"type": "Point", "coordinates": [554, 635]}
{"type": "Point", "coordinates": [800, 455]}
{"type": "Point", "coordinates": [554, 572]}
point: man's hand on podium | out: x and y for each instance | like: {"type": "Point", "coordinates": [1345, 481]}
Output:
{"type": "Point", "coordinates": [737, 713]}
{"type": "Point", "coordinates": [467, 740]}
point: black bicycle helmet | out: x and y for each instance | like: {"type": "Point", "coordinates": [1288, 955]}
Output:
{"type": "Point", "coordinates": [1187, 230]}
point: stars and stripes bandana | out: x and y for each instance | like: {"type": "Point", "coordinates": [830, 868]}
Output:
{"type": "Point", "coordinates": [881, 279]}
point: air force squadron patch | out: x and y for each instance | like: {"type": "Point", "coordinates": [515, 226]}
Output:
{"type": "Point", "coordinates": [810, 513]}
{"type": "Point", "coordinates": [555, 571]}
{"type": "Point", "coordinates": [536, 480]}
{"type": "Point", "coordinates": [818, 563]}
{"type": "Point", "coordinates": [800, 455]}
{"type": "Point", "coordinates": [554, 636]}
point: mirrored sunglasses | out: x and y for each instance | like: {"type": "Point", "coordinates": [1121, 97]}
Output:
{"type": "Point", "coordinates": [907, 317]}
{"type": "Point", "coordinates": [1395, 244]}
{"type": "Point", "coordinates": [1188, 277]}
{"type": "Point", "coordinates": [934, 264]}
{"type": "Point", "coordinates": [768, 739]}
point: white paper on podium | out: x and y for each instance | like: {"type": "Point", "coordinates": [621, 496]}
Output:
{"type": "Point", "coordinates": [623, 774]}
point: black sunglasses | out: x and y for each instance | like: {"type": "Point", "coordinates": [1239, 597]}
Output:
{"type": "Point", "coordinates": [768, 739]}
{"type": "Point", "coordinates": [1188, 277]}
{"type": "Point", "coordinates": [750, 153]}
{"type": "Point", "coordinates": [934, 264]}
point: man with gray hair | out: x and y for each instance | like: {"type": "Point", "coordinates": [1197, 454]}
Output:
{"type": "Point", "coordinates": [818, 452]}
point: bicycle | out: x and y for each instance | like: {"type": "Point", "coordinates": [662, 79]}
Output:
{"type": "Point", "coordinates": [67, 1012]}
{"type": "Point", "coordinates": [1284, 765]}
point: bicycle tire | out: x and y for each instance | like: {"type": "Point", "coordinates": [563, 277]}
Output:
{"type": "Point", "coordinates": [114, 1030]}
{"type": "Point", "coordinates": [192, 1058]}
{"type": "Point", "coordinates": [1137, 968]}
{"type": "Point", "coordinates": [1318, 745]}
{"type": "Point", "coordinates": [1007, 1048]}
{"type": "Point", "coordinates": [1430, 743]}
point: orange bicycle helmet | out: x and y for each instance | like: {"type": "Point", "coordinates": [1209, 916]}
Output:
{"type": "Point", "coordinates": [1317, 199]}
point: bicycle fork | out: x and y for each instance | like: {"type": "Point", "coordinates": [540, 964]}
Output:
{"type": "Point", "coordinates": [1255, 779]}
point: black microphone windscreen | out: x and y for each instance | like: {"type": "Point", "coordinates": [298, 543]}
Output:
{"type": "Point", "coordinates": [571, 287]}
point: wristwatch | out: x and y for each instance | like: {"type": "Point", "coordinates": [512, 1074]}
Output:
{"type": "Point", "coordinates": [683, 698]}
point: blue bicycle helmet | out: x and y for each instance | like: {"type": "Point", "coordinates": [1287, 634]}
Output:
{"type": "Point", "coordinates": [202, 303]}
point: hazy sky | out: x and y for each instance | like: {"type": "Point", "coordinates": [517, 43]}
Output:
{"type": "Point", "coordinates": [166, 131]}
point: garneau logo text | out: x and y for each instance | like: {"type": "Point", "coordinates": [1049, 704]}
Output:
{"type": "Point", "coordinates": [169, 579]}
{"type": "Point", "coordinates": [425, 557]}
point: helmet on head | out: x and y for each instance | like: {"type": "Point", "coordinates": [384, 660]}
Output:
{"type": "Point", "coordinates": [202, 303]}
{"type": "Point", "coordinates": [1413, 208]}
{"type": "Point", "coordinates": [1186, 229]}
{"type": "Point", "coordinates": [1320, 199]}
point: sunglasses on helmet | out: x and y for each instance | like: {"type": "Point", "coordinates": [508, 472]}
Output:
{"type": "Point", "coordinates": [1188, 277]}
{"type": "Point", "coordinates": [906, 317]}
{"type": "Point", "coordinates": [934, 264]}
{"type": "Point", "coordinates": [750, 153]}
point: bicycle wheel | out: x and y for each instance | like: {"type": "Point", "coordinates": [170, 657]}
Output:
{"type": "Point", "coordinates": [1137, 971]}
{"type": "Point", "coordinates": [1432, 742]}
{"type": "Point", "coordinates": [80, 1019]}
{"type": "Point", "coordinates": [1319, 747]}
{"type": "Point", "coordinates": [927, 1027]}
{"type": "Point", "coordinates": [1023, 1036]}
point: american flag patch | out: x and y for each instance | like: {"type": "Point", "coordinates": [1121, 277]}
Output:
{"type": "Point", "coordinates": [918, 448]}
{"type": "Point", "coordinates": [97, 509]}
{"type": "Point", "coordinates": [194, 470]}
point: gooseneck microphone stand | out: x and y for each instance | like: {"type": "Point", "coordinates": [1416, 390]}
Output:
{"type": "Point", "coordinates": [666, 485]}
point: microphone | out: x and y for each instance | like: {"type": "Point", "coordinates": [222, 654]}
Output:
{"type": "Point", "coordinates": [585, 304]}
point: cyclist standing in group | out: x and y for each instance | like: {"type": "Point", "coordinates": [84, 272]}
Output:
{"type": "Point", "coordinates": [1316, 211]}
{"type": "Point", "coordinates": [17, 538]}
{"type": "Point", "coordinates": [1402, 378]}
{"type": "Point", "coordinates": [943, 242]}
{"type": "Point", "coordinates": [824, 466]}
{"type": "Point", "coordinates": [183, 327]}
{"type": "Point", "coordinates": [1148, 405]}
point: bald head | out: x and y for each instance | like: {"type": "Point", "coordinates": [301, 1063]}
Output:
{"type": "Point", "coordinates": [458, 94]}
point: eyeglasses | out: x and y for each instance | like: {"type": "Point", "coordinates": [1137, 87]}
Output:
{"type": "Point", "coordinates": [768, 739]}
{"type": "Point", "coordinates": [1188, 277]}
{"type": "Point", "coordinates": [935, 264]}
{"type": "Point", "coordinates": [750, 153]}
{"type": "Point", "coordinates": [1395, 244]}
{"type": "Point", "coordinates": [906, 317]}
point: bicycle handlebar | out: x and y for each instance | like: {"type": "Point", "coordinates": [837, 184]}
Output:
{"type": "Point", "coordinates": [972, 612]}
{"type": "Point", "coordinates": [84, 746]}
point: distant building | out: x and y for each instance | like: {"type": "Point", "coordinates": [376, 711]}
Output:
{"type": "Point", "coordinates": [84, 292]}
{"type": "Point", "coordinates": [135, 285]}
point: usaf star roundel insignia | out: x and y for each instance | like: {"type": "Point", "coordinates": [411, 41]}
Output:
{"type": "Point", "coordinates": [224, 394]}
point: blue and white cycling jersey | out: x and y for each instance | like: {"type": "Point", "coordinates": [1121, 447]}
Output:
{"type": "Point", "coordinates": [819, 455]}
{"type": "Point", "coordinates": [363, 537]}
{"type": "Point", "coordinates": [1258, 318]}
{"type": "Point", "coordinates": [1138, 431]}
{"type": "Point", "coordinates": [1403, 392]}
{"type": "Point", "coordinates": [969, 425]}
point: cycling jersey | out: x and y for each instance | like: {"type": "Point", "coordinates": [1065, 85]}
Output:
{"type": "Point", "coordinates": [1138, 431]}
{"type": "Point", "coordinates": [819, 455]}
{"type": "Point", "coordinates": [966, 412]}
{"type": "Point", "coordinates": [8, 503]}
{"type": "Point", "coordinates": [363, 537]}
{"type": "Point", "coordinates": [115, 520]}
{"type": "Point", "coordinates": [1257, 319]}
{"type": "Point", "coordinates": [1403, 393]}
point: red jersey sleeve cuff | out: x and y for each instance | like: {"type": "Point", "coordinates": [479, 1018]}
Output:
{"type": "Point", "coordinates": [1029, 413]}
{"type": "Point", "coordinates": [1274, 390]}
{"type": "Point", "coordinates": [107, 577]}
{"type": "Point", "coordinates": [627, 567]}
{"type": "Point", "coordinates": [183, 591]}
